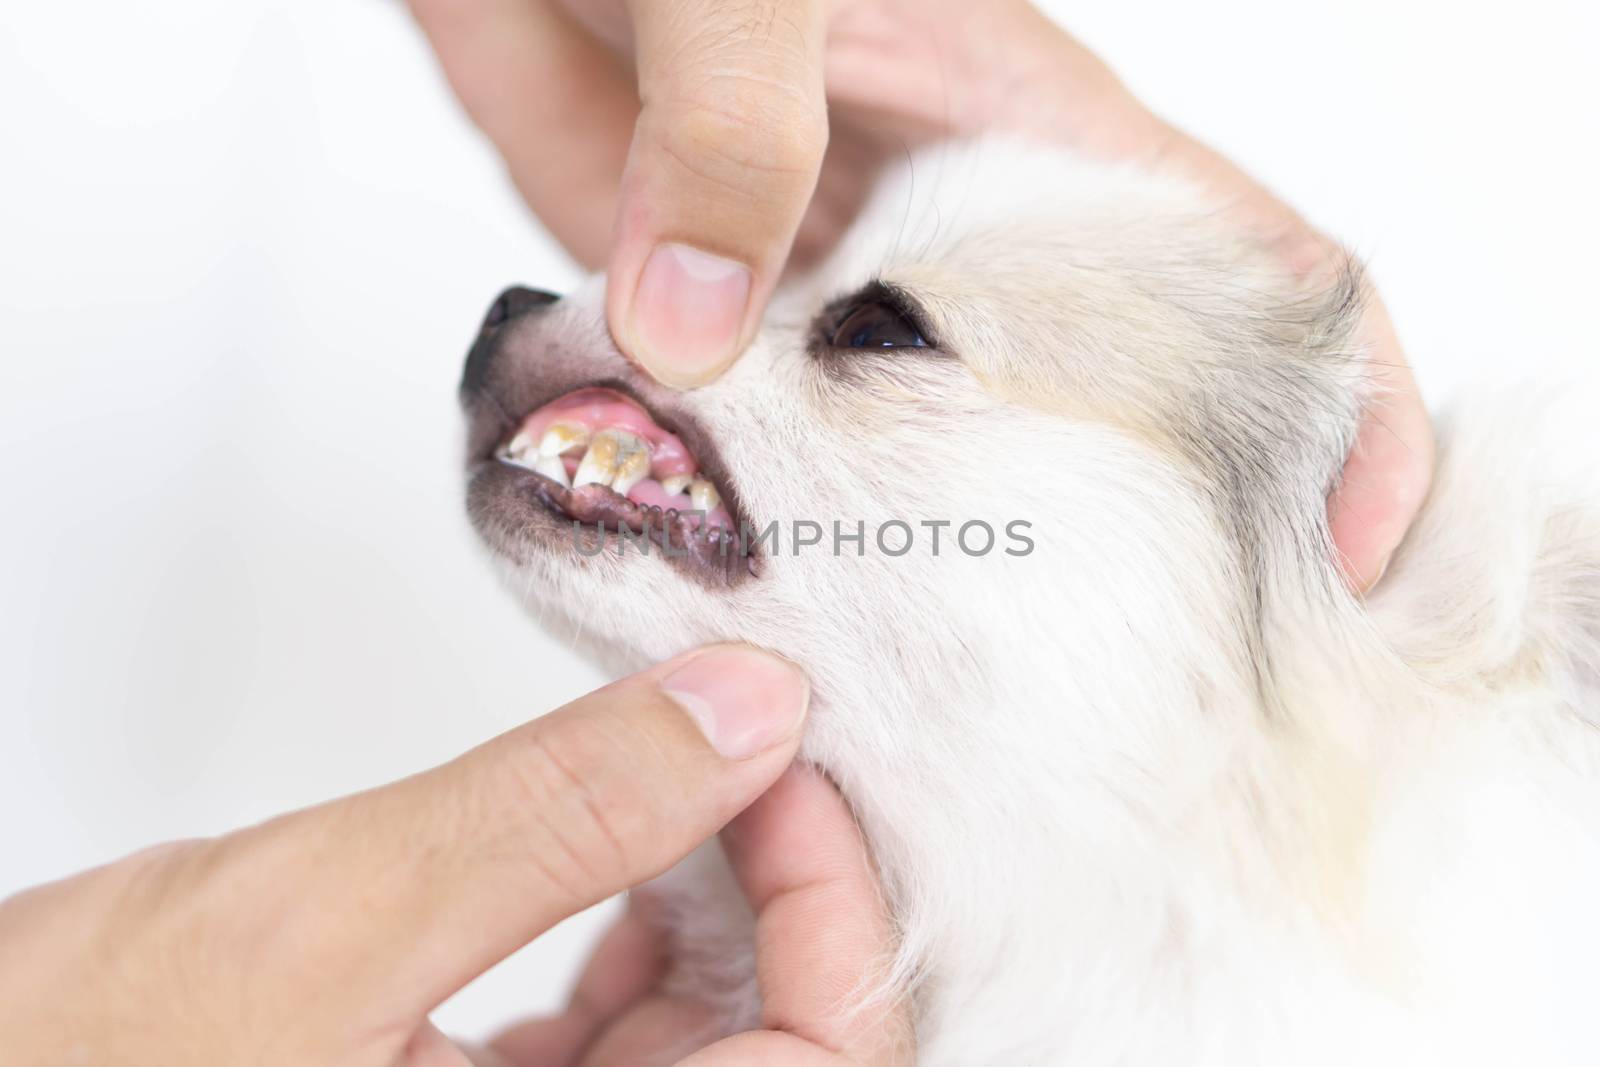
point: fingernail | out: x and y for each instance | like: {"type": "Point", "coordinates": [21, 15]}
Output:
{"type": "Point", "coordinates": [687, 311]}
{"type": "Point", "coordinates": [744, 700]}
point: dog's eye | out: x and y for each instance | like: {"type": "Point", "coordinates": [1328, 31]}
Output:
{"type": "Point", "coordinates": [875, 325]}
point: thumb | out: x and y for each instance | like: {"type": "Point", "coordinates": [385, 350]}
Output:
{"type": "Point", "coordinates": [723, 162]}
{"type": "Point", "coordinates": [407, 892]}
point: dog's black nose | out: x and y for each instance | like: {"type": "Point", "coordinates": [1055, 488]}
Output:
{"type": "Point", "coordinates": [513, 302]}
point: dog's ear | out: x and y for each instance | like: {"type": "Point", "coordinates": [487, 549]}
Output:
{"type": "Point", "coordinates": [1271, 409]}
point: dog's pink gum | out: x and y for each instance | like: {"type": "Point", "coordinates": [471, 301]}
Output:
{"type": "Point", "coordinates": [597, 409]}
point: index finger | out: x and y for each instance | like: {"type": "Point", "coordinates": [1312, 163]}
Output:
{"type": "Point", "coordinates": [395, 898]}
{"type": "Point", "coordinates": [723, 164]}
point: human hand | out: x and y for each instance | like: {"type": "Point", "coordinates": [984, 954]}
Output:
{"type": "Point", "coordinates": [697, 147]}
{"type": "Point", "coordinates": [327, 936]}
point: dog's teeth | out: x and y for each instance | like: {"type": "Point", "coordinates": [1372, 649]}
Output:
{"type": "Point", "coordinates": [613, 453]}
{"type": "Point", "coordinates": [627, 443]}
{"type": "Point", "coordinates": [599, 464]}
{"type": "Point", "coordinates": [674, 484]}
{"type": "Point", "coordinates": [703, 495]}
{"type": "Point", "coordinates": [519, 446]}
{"type": "Point", "coordinates": [562, 437]}
{"type": "Point", "coordinates": [552, 467]}
{"type": "Point", "coordinates": [632, 468]}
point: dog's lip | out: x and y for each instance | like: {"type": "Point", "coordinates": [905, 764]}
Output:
{"type": "Point", "coordinates": [707, 456]}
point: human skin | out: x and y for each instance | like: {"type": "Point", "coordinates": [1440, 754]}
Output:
{"type": "Point", "coordinates": [326, 936]}
{"type": "Point", "coordinates": [697, 149]}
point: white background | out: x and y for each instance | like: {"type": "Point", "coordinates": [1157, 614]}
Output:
{"type": "Point", "coordinates": [243, 247]}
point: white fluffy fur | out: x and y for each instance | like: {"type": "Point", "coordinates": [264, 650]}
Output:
{"type": "Point", "coordinates": [1160, 792]}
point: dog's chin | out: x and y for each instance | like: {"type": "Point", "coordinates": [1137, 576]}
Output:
{"type": "Point", "coordinates": [594, 472]}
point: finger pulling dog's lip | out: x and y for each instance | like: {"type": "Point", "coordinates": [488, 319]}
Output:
{"type": "Point", "coordinates": [518, 510]}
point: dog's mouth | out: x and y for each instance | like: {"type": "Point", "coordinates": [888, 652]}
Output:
{"type": "Point", "coordinates": [601, 460]}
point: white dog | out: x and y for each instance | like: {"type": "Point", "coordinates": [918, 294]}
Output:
{"type": "Point", "coordinates": [1145, 784]}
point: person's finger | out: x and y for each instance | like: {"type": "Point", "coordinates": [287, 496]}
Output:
{"type": "Point", "coordinates": [430, 1048]}
{"type": "Point", "coordinates": [399, 896]}
{"type": "Point", "coordinates": [629, 961]}
{"type": "Point", "coordinates": [558, 105]}
{"type": "Point", "coordinates": [656, 1030]}
{"type": "Point", "coordinates": [824, 940]}
{"type": "Point", "coordinates": [723, 163]}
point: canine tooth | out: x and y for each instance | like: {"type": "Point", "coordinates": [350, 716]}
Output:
{"type": "Point", "coordinates": [626, 442]}
{"type": "Point", "coordinates": [562, 437]}
{"type": "Point", "coordinates": [552, 467]}
{"type": "Point", "coordinates": [703, 495]}
{"type": "Point", "coordinates": [621, 460]}
{"type": "Point", "coordinates": [599, 464]}
{"type": "Point", "coordinates": [674, 484]}
{"type": "Point", "coordinates": [632, 468]}
{"type": "Point", "coordinates": [518, 446]}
